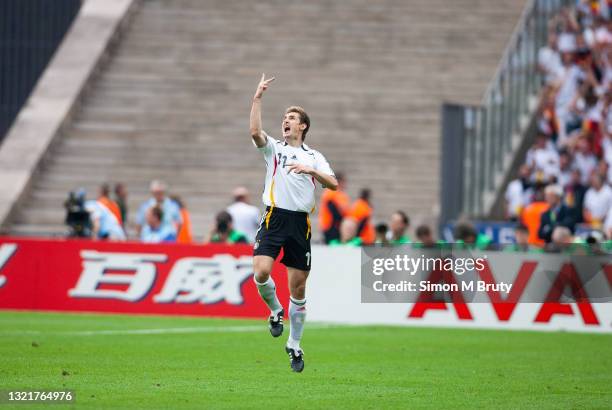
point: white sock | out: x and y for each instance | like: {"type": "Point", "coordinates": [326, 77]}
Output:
{"type": "Point", "coordinates": [267, 291]}
{"type": "Point", "coordinates": [297, 317]}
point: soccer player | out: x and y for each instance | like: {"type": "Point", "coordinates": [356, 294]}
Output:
{"type": "Point", "coordinates": [291, 171]}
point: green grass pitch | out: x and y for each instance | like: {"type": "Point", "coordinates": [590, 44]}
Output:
{"type": "Point", "coordinates": [223, 363]}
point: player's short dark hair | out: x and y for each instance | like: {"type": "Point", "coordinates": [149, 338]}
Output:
{"type": "Point", "coordinates": [304, 118]}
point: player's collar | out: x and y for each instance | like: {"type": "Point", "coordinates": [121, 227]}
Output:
{"type": "Point", "coordinates": [303, 146]}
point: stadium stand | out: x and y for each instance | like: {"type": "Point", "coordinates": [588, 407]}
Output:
{"type": "Point", "coordinates": [573, 147]}
{"type": "Point", "coordinates": [172, 100]}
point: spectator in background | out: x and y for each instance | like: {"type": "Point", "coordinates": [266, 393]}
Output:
{"type": "Point", "coordinates": [574, 194]}
{"type": "Point", "coordinates": [155, 229]}
{"type": "Point", "coordinates": [398, 225]}
{"type": "Point", "coordinates": [521, 237]}
{"type": "Point", "coordinates": [245, 217]}
{"type": "Point", "coordinates": [561, 240]}
{"type": "Point", "coordinates": [361, 212]}
{"type": "Point", "coordinates": [466, 236]}
{"type": "Point", "coordinates": [425, 238]}
{"type": "Point", "coordinates": [603, 170]}
{"type": "Point", "coordinates": [565, 168]}
{"type": "Point", "coordinates": [518, 193]}
{"type": "Point", "coordinates": [584, 159]}
{"type": "Point", "coordinates": [606, 146]}
{"type": "Point", "coordinates": [608, 225]}
{"type": "Point", "coordinates": [597, 202]}
{"type": "Point", "coordinates": [184, 234]}
{"type": "Point", "coordinates": [224, 231]}
{"type": "Point", "coordinates": [543, 159]}
{"type": "Point", "coordinates": [549, 59]}
{"type": "Point", "coordinates": [567, 84]}
{"type": "Point", "coordinates": [105, 201]}
{"type": "Point", "coordinates": [333, 208]}
{"type": "Point", "coordinates": [104, 224]}
{"type": "Point", "coordinates": [170, 210]}
{"type": "Point", "coordinates": [121, 196]}
{"type": "Point", "coordinates": [557, 214]}
{"type": "Point", "coordinates": [348, 234]}
{"type": "Point", "coordinates": [532, 215]}
{"type": "Point", "coordinates": [381, 234]}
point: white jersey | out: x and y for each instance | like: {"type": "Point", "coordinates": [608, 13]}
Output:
{"type": "Point", "coordinates": [289, 190]}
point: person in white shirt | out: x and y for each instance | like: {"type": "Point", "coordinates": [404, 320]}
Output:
{"type": "Point", "coordinates": [565, 168]}
{"type": "Point", "coordinates": [584, 160]}
{"type": "Point", "coordinates": [543, 159]}
{"type": "Point", "coordinates": [292, 170]}
{"type": "Point", "coordinates": [245, 217]}
{"type": "Point", "coordinates": [549, 59]}
{"type": "Point", "coordinates": [597, 201]}
{"type": "Point", "coordinates": [518, 193]}
{"type": "Point", "coordinates": [568, 84]}
{"type": "Point", "coordinates": [105, 224]}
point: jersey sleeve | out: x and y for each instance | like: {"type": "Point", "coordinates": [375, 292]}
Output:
{"type": "Point", "coordinates": [268, 149]}
{"type": "Point", "coordinates": [322, 165]}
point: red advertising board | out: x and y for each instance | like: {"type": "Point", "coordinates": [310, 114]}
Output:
{"type": "Point", "coordinates": [79, 275]}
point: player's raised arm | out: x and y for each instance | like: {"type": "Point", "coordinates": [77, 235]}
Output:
{"type": "Point", "coordinates": [257, 134]}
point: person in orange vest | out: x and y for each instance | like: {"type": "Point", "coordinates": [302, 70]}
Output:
{"type": "Point", "coordinates": [333, 208]}
{"type": "Point", "coordinates": [531, 214]}
{"type": "Point", "coordinates": [184, 233]}
{"type": "Point", "coordinates": [361, 211]}
{"type": "Point", "coordinates": [105, 200]}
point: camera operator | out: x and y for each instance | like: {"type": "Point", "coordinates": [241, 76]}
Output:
{"type": "Point", "coordinates": [104, 224]}
{"type": "Point", "coordinates": [224, 231]}
{"type": "Point", "coordinates": [77, 217]}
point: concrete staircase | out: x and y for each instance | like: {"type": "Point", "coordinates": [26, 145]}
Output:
{"type": "Point", "coordinates": [174, 99]}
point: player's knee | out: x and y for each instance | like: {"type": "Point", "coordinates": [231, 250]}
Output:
{"type": "Point", "coordinates": [298, 291]}
{"type": "Point", "coordinates": [261, 277]}
{"type": "Point", "coordinates": [261, 270]}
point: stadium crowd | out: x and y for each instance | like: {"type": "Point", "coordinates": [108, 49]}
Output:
{"type": "Point", "coordinates": [566, 179]}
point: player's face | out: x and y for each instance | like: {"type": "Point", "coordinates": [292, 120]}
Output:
{"type": "Point", "coordinates": [291, 126]}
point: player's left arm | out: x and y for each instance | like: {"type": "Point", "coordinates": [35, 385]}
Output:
{"type": "Point", "coordinates": [328, 181]}
{"type": "Point", "coordinates": [321, 172]}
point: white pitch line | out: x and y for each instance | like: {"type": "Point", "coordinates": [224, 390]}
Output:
{"type": "Point", "coordinates": [160, 331]}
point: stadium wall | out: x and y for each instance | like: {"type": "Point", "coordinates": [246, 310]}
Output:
{"type": "Point", "coordinates": [215, 280]}
{"type": "Point", "coordinates": [55, 97]}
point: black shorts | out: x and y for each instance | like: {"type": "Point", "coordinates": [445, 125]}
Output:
{"type": "Point", "coordinates": [289, 230]}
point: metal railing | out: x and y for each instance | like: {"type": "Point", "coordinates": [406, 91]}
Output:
{"type": "Point", "coordinates": [30, 32]}
{"type": "Point", "coordinates": [491, 131]}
